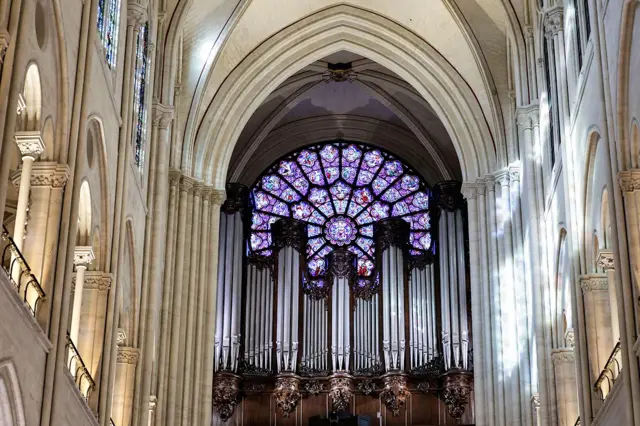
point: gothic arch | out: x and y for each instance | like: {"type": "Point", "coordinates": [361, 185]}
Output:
{"type": "Point", "coordinates": [331, 30]}
{"type": "Point", "coordinates": [11, 409]}
{"type": "Point", "coordinates": [562, 281]}
{"type": "Point", "coordinates": [30, 117]}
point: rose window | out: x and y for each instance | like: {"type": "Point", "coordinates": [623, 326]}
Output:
{"type": "Point", "coordinates": [340, 190]}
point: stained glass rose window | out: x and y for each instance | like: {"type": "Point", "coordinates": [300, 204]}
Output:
{"type": "Point", "coordinates": [340, 190]}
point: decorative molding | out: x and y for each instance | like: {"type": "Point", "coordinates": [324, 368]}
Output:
{"type": "Point", "coordinates": [128, 355]}
{"type": "Point", "coordinates": [342, 264]}
{"type": "Point", "coordinates": [447, 195]}
{"type": "Point", "coordinates": [45, 174]}
{"type": "Point", "coordinates": [570, 338]}
{"type": "Point", "coordinates": [95, 280]}
{"type": "Point", "coordinates": [365, 287]}
{"type": "Point", "coordinates": [255, 387]}
{"type": "Point", "coordinates": [457, 387]}
{"type": "Point", "coordinates": [421, 261]}
{"type": "Point", "coordinates": [394, 394]}
{"type": "Point", "coordinates": [121, 337]}
{"type": "Point", "coordinates": [313, 387]}
{"type": "Point", "coordinates": [30, 143]}
{"type": "Point", "coordinates": [341, 393]}
{"type": "Point", "coordinates": [237, 198]}
{"type": "Point", "coordinates": [290, 232]}
{"type": "Point", "coordinates": [226, 394]}
{"type": "Point", "coordinates": [605, 260]}
{"type": "Point", "coordinates": [153, 403]}
{"type": "Point", "coordinates": [287, 394]}
{"type": "Point", "coordinates": [390, 232]}
{"type": "Point", "coordinates": [594, 282]}
{"type": "Point", "coordinates": [563, 356]}
{"type": "Point", "coordinates": [366, 387]}
{"type": "Point", "coordinates": [629, 180]}
{"type": "Point", "coordinates": [424, 386]}
{"type": "Point", "coordinates": [162, 115]}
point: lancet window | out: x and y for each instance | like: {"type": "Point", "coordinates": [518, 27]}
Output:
{"type": "Point", "coordinates": [139, 92]}
{"type": "Point", "coordinates": [108, 28]}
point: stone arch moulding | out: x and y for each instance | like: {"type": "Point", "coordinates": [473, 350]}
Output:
{"type": "Point", "coordinates": [11, 409]}
{"type": "Point", "coordinates": [593, 141]}
{"type": "Point", "coordinates": [328, 31]}
{"type": "Point", "coordinates": [95, 129]}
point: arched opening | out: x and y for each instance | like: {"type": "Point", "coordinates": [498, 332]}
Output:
{"type": "Point", "coordinates": [83, 236]}
{"type": "Point", "coordinates": [11, 409]}
{"type": "Point", "coordinates": [30, 103]}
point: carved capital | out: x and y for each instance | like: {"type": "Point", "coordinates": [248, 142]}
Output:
{"type": "Point", "coordinates": [174, 177]}
{"type": "Point", "coordinates": [218, 196]}
{"type": "Point", "coordinates": [94, 280]}
{"type": "Point", "coordinates": [447, 195]}
{"type": "Point", "coordinates": [287, 394]}
{"type": "Point", "coordinates": [535, 400]}
{"type": "Point", "coordinates": [470, 190]}
{"type": "Point", "coordinates": [30, 143]}
{"type": "Point", "coordinates": [226, 394]}
{"type": "Point", "coordinates": [594, 282]}
{"type": "Point", "coordinates": [83, 256]}
{"type": "Point", "coordinates": [153, 403]}
{"type": "Point", "coordinates": [457, 387]}
{"type": "Point", "coordinates": [121, 337]}
{"type": "Point", "coordinates": [290, 232]}
{"type": "Point", "coordinates": [502, 177]}
{"type": "Point", "coordinates": [136, 14]}
{"type": "Point", "coordinates": [514, 174]}
{"type": "Point", "coordinates": [570, 338]}
{"type": "Point", "coordinates": [394, 393]}
{"type": "Point", "coordinates": [605, 260]}
{"type": "Point", "coordinates": [237, 198]}
{"type": "Point", "coordinates": [563, 356]}
{"type": "Point", "coordinates": [553, 21]}
{"type": "Point", "coordinates": [128, 355]}
{"type": "Point", "coordinates": [187, 184]}
{"type": "Point", "coordinates": [390, 232]}
{"type": "Point", "coordinates": [162, 115]}
{"type": "Point", "coordinates": [629, 180]}
{"type": "Point", "coordinates": [45, 174]}
{"type": "Point", "coordinates": [341, 393]}
{"type": "Point", "coordinates": [5, 39]}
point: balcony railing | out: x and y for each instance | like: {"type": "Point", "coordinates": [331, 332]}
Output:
{"type": "Point", "coordinates": [19, 272]}
{"type": "Point", "coordinates": [111, 423]}
{"type": "Point", "coordinates": [79, 371]}
{"type": "Point", "coordinates": [577, 422]}
{"type": "Point", "coordinates": [609, 374]}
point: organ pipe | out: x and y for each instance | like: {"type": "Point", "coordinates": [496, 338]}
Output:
{"type": "Point", "coordinates": [391, 237]}
{"type": "Point", "coordinates": [453, 276]}
{"type": "Point", "coordinates": [230, 276]}
{"type": "Point", "coordinates": [290, 240]}
{"type": "Point", "coordinates": [342, 267]}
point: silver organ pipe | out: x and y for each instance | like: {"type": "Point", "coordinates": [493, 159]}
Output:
{"type": "Point", "coordinates": [230, 276]}
{"type": "Point", "coordinates": [258, 313]}
{"type": "Point", "coordinates": [392, 236]}
{"type": "Point", "coordinates": [423, 321]}
{"type": "Point", "coordinates": [453, 276]}
{"type": "Point", "coordinates": [290, 239]}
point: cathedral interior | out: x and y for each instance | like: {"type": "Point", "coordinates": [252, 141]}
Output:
{"type": "Point", "coordinates": [312, 212]}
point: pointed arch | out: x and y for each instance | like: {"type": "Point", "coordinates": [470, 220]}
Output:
{"type": "Point", "coordinates": [11, 408]}
{"type": "Point", "coordinates": [364, 33]}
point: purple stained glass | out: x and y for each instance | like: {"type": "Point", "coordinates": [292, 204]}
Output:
{"type": "Point", "coordinates": [341, 230]}
{"type": "Point", "coordinates": [340, 190]}
{"type": "Point", "coordinates": [139, 88]}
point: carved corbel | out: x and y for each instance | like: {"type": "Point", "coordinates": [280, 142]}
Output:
{"type": "Point", "coordinates": [395, 393]}
{"type": "Point", "coordinates": [287, 394]}
{"type": "Point", "coordinates": [341, 393]}
{"type": "Point", "coordinates": [226, 394]}
{"type": "Point", "coordinates": [457, 387]}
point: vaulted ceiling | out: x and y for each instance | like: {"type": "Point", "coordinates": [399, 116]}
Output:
{"type": "Point", "coordinates": [377, 106]}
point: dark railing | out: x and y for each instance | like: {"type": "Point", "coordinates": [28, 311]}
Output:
{"type": "Point", "coordinates": [19, 272]}
{"type": "Point", "coordinates": [609, 374]}
{"type": "Point", "coordinates": [79, 371]}
{"type": "Point", "coordinates": [111, 423]}
{"type": "Point", "coordinates": [577, 422]}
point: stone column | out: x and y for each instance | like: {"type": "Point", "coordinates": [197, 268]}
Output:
{"type": "Point", "coordinates": [123, 390]}
{"type": "Point", "coordinates": [564, 364]}
{"type": "Point", "coordinates": [595, 293]}
{"type": "Point", "coordinates": [31, 146]}
{"type": "Point", "coordinates": [606, 262]}
{"type": "Point", "coordinates": [82, 258]}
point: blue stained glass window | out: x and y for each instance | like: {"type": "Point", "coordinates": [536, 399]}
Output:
{"type": "Point", "coordinates": [139, 89]}
{"type": "Point", "coordinates": [340, 189]}
{"type": "Point", "coordinates": [108, 27]}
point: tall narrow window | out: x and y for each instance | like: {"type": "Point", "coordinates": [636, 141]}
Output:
{"type": "Point", "coordinates": [139, 89]}
{"type": "Point", "coordinates": [550, 100]}
{"type": "Point", "coordinates": [108, 26]}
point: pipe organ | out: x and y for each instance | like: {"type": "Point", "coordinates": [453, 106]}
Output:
{"type": "Point", "coordinates": [394, 334]}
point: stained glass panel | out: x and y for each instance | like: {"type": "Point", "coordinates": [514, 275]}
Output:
{"type": "Point", "coordinates": [139, 92]}
{"type": "Point", "coordinates": [340, 189]}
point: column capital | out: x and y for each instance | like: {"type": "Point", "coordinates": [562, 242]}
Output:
{"type": "Point", "coordinates": [83, 256]}
{"type": "Point", "coordinates": [121, 337]}
{"type": "Point", "coordinates": [605, 259]}
{"type": "Point", "coordinates": [563, 356]}
{"type": "Point", "coordinates": [528, 116]}
{"type": "Point", "coordinates": [503, 177]}
{"type": "Point", "coordinates": [30, 143]}
{"type": "Point", "coordinates": [629, 180]}
{"type": "Point", "coordinates": [470, 190]}
{"type": "Point", "coordinates": [162, 115]}
{"type": "Point", "coordinates": [153, 402]}
{"type": "Point", "coordinates": [218, 196]}
{"type": "Point", "coordinates": [187, 184]}
{"type": "Point", "coordinates": [5, 40]}
{"type": "Point", "coordinates": [174, 177]}
{"type": "Point", "coordinates": [594, 282]}
{"type": "Point", "coordinates": [136, 14]}
{"type": "Point", "coordinates": [128, 355]}
{"type": "Point", "coordinates": [514, 173]}
{"type": "Point", "coordinates": [45, 174]}
{"type": "Point", "coordinates": [490, 183]}
{"type": "Point", "coordinates": [553, 21]}
{"type": "Point", "coordinates": [535, 400]}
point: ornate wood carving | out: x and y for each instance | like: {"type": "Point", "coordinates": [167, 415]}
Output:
{"type": "Point", "coordinates": [291, 233]}
{"type": "Point", "coordinates": [457, 387]}
{"type": "Point", "coordinates": [287, 394]}
{"type": "Point", "coordinates": [390, 232]}
{"type": "Point", "coordinates": [395, 393]}
{"type": "Point", "coordinates": [226, 394]}
{"type": "Point", "coordinates": [341, 393]}
{"type": "Point", "coordinates": [237, 198]}
{"type": "Point", "coordinates": [447, 195]}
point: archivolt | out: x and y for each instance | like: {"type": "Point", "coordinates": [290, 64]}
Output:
{"type": "Point", "coordinates": [11, 409]}
{"type": "Point", "coordinates": [328, 31]}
